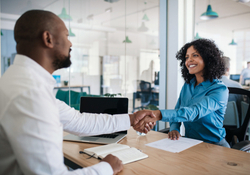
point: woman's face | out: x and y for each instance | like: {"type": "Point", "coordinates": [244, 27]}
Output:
{"type": "Point", "coordinates": [194, 62]}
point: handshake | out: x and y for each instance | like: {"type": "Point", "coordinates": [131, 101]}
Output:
{"type": "Point", "coordinates": [144, 120]}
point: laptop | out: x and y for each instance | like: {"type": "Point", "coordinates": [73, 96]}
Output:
{"type": "Point", "coordinates": [101, 105]}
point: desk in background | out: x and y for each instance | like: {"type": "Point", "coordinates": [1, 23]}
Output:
{"type": "Point", "coordinates": [203, 158]}
{"type": "Point", "coordinates": [74, 87]}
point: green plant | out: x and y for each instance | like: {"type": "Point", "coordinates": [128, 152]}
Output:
{"type": "Point", "coordinates": [112, 95]}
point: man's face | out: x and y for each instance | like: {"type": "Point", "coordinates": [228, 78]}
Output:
{"type": "Point", "coordinates": [62, 46]}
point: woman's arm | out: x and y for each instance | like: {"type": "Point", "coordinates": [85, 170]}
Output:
{"type": "Point", "coordinates": [214, 100]}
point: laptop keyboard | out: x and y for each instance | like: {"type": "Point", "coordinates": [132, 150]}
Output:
{"type": "Point", "coordinates": [111, 136]}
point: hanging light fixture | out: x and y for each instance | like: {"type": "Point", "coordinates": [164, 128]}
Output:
{"type": "Point", "coordinates": [71, 33]}
{"type": "Point", "coordinates": [143, 28]}
{"type": "Point", "coordinates": [64, 15]}
{"type": "Point", "coordinates": [1, 33]}
{"type": "Point", "coordinates": [127, 40]}
{"type": "Point", "coordinates": [197, 36]}
{"type": "Point", "coordinates": [209, 14]}
{"type": "Point", "coordinates": [145, 17]}
{"type": "Point", "coordinates": [233, 43]}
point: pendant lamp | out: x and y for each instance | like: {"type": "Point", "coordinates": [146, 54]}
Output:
{"type": "Point", "coordinates": [209, 14]}
{"type": "Point", "coordinates": [127, 40]}
{"type": "Point", "coordinates": [197, 36]}
{"type": "Point", "coordinates": [64, 15]}
{"type": "Point", "coordinates": [145, 18]}
{"type": "Point", "coordinates": [143, 28]}
{"type": "Point", "coordinates": [71, 33]}
{"type": "Point", "coordinates": [233, 43]}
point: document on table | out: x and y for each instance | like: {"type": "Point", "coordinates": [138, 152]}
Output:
{"type": "Point", "coordinates": [174, 146]}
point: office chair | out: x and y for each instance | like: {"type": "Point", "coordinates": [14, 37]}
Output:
{"type": "Point", "coordinates": [149, 99]}
{"type": "Point", "coordinates": [231, 118]}
{"type": "Point", "coordinates": [240, 133]}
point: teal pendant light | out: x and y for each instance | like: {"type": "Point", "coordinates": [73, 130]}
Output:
{"type": "Point", "coordinates": [1, 33]}
{"type": "Point", "coordinates": [64, 15]}
{"type": "Point", "coordinates": [71, 33]}
{"type": "Point", "coordinates": [209, 14]}
{"type": "Point", "coordinates": [143, 28]}
{"type": "Point", "coordinates": [127, 40]}
{"type": "Point", "coordinates": [197, 36]}
{"type": "Point", "coordinates": [145, 18]}
{"type": "Point", "coordinates": [233, 43]}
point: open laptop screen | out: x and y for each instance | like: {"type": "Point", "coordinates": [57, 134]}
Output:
{"type": "Point", "coordinates": [104, 105]}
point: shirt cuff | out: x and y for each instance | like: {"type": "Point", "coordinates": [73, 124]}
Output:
{"type": "Point", "coordinates": [175, 126]}
{"type": "Point", "coordinates": [123, 121]}
{"type": "Point", "coordinates": [103, 168]}
{"type": "Point", "coordinates": [169, 115]}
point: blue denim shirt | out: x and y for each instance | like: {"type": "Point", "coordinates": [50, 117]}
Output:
{"type": "Point", "coordinates": [202, 110]}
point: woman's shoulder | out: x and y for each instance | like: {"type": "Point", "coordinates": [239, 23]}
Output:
{"type": "Point", "coordinates": [218, 85]}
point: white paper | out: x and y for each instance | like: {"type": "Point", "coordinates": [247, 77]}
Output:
{"type": "Point", "coordinates": [174, 146]}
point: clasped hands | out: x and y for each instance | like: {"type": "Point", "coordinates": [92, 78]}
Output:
{"type": "Point", "coordinates": [144, 120]}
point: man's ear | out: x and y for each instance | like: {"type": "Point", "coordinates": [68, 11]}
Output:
{"type": "Point", "coordinates": [47, 39]}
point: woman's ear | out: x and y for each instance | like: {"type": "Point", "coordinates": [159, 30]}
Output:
{"type": "Point", "coordinates": [47, 39]}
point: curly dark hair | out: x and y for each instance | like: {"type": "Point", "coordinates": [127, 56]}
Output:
{"type": "Point", "coordinates": [211, 55]}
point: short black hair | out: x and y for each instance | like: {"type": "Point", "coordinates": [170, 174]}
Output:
{"type": "Point", "coordinates": [211, 55]}
{"type": "Point", "coordinates": [30, 26]}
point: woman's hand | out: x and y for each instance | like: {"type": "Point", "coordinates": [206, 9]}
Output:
{"type": "Point", "coordinates": [174, 135]}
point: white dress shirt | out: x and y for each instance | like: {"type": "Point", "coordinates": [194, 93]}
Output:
{"type": "Point", "coordinates": [32, 122]}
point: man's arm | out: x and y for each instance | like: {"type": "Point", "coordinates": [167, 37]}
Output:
{"type": "Point", "coordinates": [241, 77]}
{"type": "Point", "coordinates": [94, 124]}
{"type": "Point", "coordinates": [36, 138]}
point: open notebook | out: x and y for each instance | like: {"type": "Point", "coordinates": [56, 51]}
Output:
{"type": "Point", "coordinates": [125, 153]}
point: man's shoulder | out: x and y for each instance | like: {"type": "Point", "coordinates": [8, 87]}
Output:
{"type": "Point", "coordinates": [231, 83]}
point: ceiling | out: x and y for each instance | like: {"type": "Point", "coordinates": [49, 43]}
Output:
{"type": "Point", "coordinates": [232, 14]}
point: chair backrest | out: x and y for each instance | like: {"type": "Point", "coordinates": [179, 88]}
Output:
{"type": "Point", "coordinates": [231, 117]}
{"type": "Point", "coordinates": [145, 86]}
{"type": "Point", "coordinates": [244, 107]}
{"type": "Point", "coordinates": [240, 132]}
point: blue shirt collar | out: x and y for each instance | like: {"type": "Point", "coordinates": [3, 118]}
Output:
{"type": "Point", "coordinates": [205, 84]}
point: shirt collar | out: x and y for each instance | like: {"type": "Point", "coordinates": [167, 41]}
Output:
{"type": "Point", "coordinates": [205, 84]}
{"type": "Point", "coordinates": [25, 61]}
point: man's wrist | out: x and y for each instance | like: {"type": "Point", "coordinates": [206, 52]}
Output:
{"type": "Point", "coordinates": [157, 114]}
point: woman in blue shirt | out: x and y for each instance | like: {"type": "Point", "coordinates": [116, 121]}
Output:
{"type": "Point", "coordinates": [203, 99]}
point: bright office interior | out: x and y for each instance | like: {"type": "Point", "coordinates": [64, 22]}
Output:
{"type": "Point", "coordinates": [116, 43]}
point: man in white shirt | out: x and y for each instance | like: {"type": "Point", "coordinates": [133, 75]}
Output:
{"type": "Point", "coordinates": [32, 119]}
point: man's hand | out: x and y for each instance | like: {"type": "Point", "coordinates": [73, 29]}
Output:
{"type": "Point", "coordinates": [138, 116]}
{"type": "Point", "coordinates": [147, 121]}
{"type": "Point", "coordinates": [174, 135]}
{"type": "Point", "coordinates": [115, 163]}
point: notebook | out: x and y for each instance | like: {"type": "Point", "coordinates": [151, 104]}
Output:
{"type": "Point", "coordinates": [102, 105]}
{"type": "Point", "coordinates": [125, 153]}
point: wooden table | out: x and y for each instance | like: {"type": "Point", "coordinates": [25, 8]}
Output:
{"type": "Point", "coordinates": [203, 158]}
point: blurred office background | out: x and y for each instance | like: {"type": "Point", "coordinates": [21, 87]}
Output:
{"type": "Point", "coordinates": [129, 46]}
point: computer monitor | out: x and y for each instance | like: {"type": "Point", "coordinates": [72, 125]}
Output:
{"type": "Point", "coordinates": [235, 77]}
